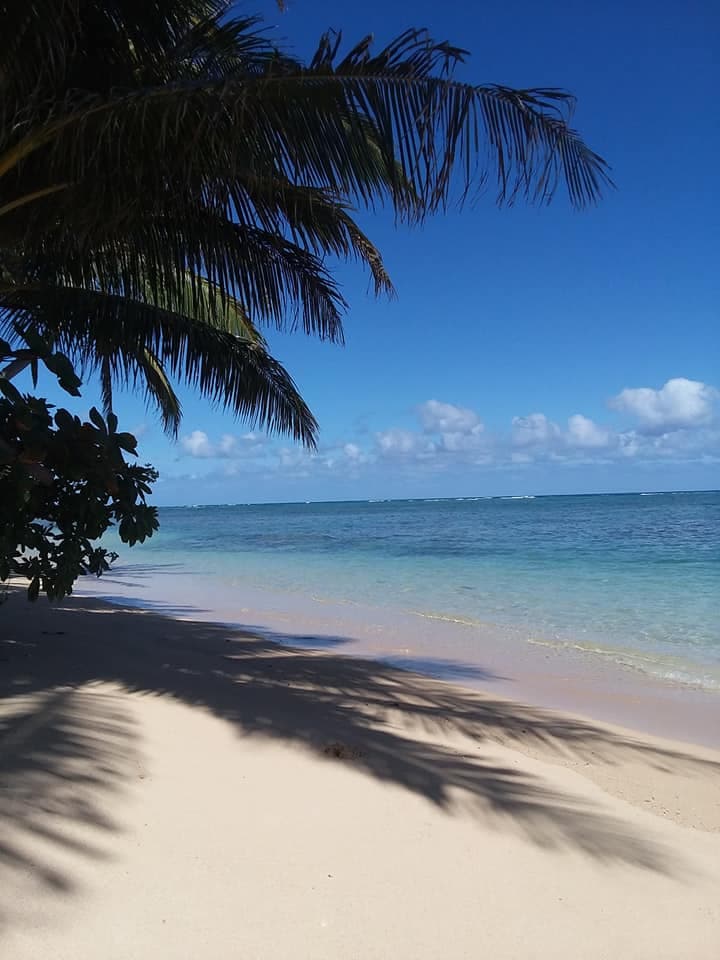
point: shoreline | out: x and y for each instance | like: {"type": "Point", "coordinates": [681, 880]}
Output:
{"type": "Point", "coordinates": [488, 658]}
{"type": "Point", "coordinates": [176, 787]}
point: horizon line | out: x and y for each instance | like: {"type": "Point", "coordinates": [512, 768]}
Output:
{"type": "Point", "coordinates": [500, 496]}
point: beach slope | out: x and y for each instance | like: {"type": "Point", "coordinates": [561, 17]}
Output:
{"type": "Point", "coordinates": [178, 789]}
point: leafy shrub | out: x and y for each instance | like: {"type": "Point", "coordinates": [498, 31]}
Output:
{"type": "Point", "coordinates": [63, 483]}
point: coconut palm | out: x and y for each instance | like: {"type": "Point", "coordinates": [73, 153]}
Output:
{"type": "Point", "coordinates": [171, 182]}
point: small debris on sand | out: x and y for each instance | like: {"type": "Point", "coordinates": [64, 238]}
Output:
{"type": "Point", "coordinates": [341, 751]}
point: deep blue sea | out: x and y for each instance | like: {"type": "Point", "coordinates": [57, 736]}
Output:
{"type": "Point", "coordinates": [632, 577]}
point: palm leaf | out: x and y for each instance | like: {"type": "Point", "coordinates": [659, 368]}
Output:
{"type": "Point", "coordinates": [236, 373]}
{"type": "Point", "coordinates": [170, 180]}
{"type": "Point", "coordinates": [363, 127]}
{"type": "Point", "coordinates": [152, 377]}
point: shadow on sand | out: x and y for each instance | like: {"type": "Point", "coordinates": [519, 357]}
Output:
{"type": "Point", "coordinates": [66, 744]}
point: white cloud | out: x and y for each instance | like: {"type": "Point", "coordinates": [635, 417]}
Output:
{"type": "Point", "coordinates": [438, 417]}
{"type": "Point", "coordinates": [462, 442]}
{"type": "Point", "coordinates": [583, 432]}
{"type": "Point", "coordinates": [339, 457]}
{"type": "Point", "coordinates": [293, 458]}
{"type": "Point", "coordinates": [459, 429]}
{"type": "Point", "coordinates": [227, 446]}
{"type": "Point", "coordinates": [678, 403]}
{"type": "Point", "coordinates": [352, 451]}
{"type": "Point", "coordinates": [675, 423]}
{"type": "Point", "coordinates": [688, 444]}
{"type": "Point", "coordinates": [533, 429]}
{"type": "Point", "coordinates": [396, 442]}
{"type": "Point", "coordinates": [629, 443]}
{"type": "Point", "coordinates": [197, 444]}
{"type": "Point", "coordinates": [543, 438]}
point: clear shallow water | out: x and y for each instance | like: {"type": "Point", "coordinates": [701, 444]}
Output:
{"type": "Point", "coordinates": [632, 578]}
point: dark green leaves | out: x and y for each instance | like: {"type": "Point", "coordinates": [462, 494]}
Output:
{"type": "Point", "coordinates": [222, 354]}
{"type": "Point", "coordinates": [9, 391]}
{"type": "Point", "coordinates": [127, 442]}
{"type": "Point", "coordinates": [63, 483]}
{"type": "Point", "coordinates": [59, 364]}
{"type": "Point", "coordinates": [37, 347]}
{"type": "Point", "coordinates": [97, 421]}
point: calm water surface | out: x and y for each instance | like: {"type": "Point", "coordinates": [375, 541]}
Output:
{"type": "Point", "coordinates": [634, 578]}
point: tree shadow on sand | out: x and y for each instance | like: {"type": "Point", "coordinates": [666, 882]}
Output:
{"type": "Point", "coordinates": [398, 727]}
{"type": "Point", "coordinates": [63, 751]}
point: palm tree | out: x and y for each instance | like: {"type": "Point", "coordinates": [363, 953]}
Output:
{"type": "Point", "coordinates": [171, 182]}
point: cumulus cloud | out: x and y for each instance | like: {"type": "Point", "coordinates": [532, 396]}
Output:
{"type": "Point", "coordinates": [677, 404]}
{"type": "Point", "coordinates": [228, 445]}
{"type": "Point", "coordinates": [352, 451]}
{"type": "Point", "coordinates": [540, 436]}
{"type": "Point", "coordinates": [396, 442]}
{"type": "Point", "coordinates": [338, 457]}
{"type": "Point", "coordinates": [533, 429]}
{"type": "Point", "coordinates": [198, 444]}
{"type": "Point", "coordinates": [296, 459]}
{"type": "Point", "coordinates": [455, 430]}
{"type": "Point", "coordinates": [673, 423]}
{"type": "Point", "coordinates": [438, 417]}
{"type": "Point", "coordinates": [583, 432]}
{"type": "Point", "coordinates": [461, 442]}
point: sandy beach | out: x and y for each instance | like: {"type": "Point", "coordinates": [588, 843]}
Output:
{"type": "Point", "coordinates": [171, 788]}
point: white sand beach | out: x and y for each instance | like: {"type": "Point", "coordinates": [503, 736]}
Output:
{"type": "Point", "coordinates": [175, 789]}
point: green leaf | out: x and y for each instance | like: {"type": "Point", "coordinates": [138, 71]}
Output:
{"type": "Point", "coordinates": [11, 392]}
{"type": "Point", "coordinates": [236, 372]}
{"type": "Point", "coordinates": [70, 386]}
{"type": "Point", "coordinates": [127, 442]}
{"type": "Point", "coordinates": [65, 420]}
{"type": "Point", "coordinates": [97, 420]}
{"type": "Point", "coordinates": [37, 344]}
{"type": "Point", "coordinates": [59, 364]}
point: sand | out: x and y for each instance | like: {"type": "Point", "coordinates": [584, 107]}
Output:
{"type": "Point", "coordinates": [174, 789]}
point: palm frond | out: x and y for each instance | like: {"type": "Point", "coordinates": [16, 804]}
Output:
{"type": "Point", "coordinates": [171, 180]}
{"type": "Point", "coordinates": [106, 383]}
{"type": "Point", "coordinates": [36, 42]}
{"type": "Point", "coordinates": [365, 127]}
{"type": "Point", "coordinates": [158, 389]}
{"type": "Point", "coordinates": [276, 280]}
{"type": "Point", "coordinates": [299, 223]}
{"type": "Point", "coordinates": [236, 373]}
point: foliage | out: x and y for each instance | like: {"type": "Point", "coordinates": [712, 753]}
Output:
{"type": "Point", "coordinates": [171, 180]}
{"type": "Point", "coordinates": [63, 483]}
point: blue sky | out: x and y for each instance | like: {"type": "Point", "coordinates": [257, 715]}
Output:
{"type": "Point", "coordinates": [529, 350]}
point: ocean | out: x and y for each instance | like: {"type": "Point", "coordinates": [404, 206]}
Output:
{"type": "Point", "coordinates": [631, 579]}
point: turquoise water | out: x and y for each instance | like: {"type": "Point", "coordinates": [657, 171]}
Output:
{"type": "Point", "coordinates": [635, 577]}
